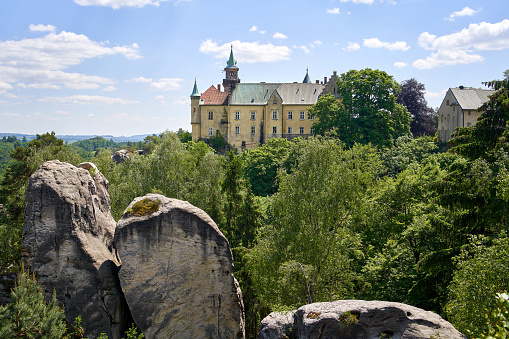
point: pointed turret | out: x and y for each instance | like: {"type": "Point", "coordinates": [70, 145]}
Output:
{"type": "Point", "coordinates": [307, 80]}
{"type": "Point", "coordinates": [231, 63]}
{"type": "Point", "coordinates": [232, 73]}
{"type": "Point", "coordinates": [195, 90]}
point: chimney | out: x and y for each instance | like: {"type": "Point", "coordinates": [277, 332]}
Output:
{"type": "Point", "coordinates": [335, 73]}
{"type": "Point", "coordinates": [325, 80]}
{"type": "Point", "coordinates": [219, 87]}
{"type": "Point", "coordinates": [317, 81]}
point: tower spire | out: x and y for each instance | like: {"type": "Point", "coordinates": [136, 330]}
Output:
{"type": "Point", "coordinates": [231, 63]}
{"type": "Point", "coordinates": [195, 90]}
{"type": "Point", "coordinates": [306, 80]}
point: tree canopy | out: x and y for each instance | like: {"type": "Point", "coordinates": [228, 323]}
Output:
{"type": "Point", "coordinates": [411, 96]}
{"type": "Point", "coordinates": [367, 112]}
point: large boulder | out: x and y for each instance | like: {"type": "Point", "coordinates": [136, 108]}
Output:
{"type": "Point", "coordinates": [120, 156]}
{"type": "Point", "coordinates": [66, 239]}
{"type": "Point", "coordinates": [176, 271]}
{"type": "Point", "coordinates": [357, 319]}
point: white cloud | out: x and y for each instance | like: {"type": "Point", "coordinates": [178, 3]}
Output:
{"type": "Point", "coordinates": [304, 48]}
{"type": "Point", "coordinates": [62, 113]}
{"type": "Point", "coordinates": [182, 101]}
{"type": "Point", "coordinates": [263, 32]}
{"type": "Point", "coordinates": [161, 99]}
{"type": "Point", "coordinates": [166, 84]}
{"type": "Point", "coordinates": [400, 64]}
{"type": "Point", "coordinates": [140, 79]}
{"type": "Point", "coordinates": [40, 62]}
{"type": "Point", "coordinates": [86, 99]}
{"type": "Point", "coordinates": [248, 52]}
{"type": "Point", "coordinates": [42, 28]}
{"type": "Point", "coordinates": [467, 11]}
{"type": "Point", "coordinates": [482, 36]}
{"type": "Point", "coordinates": [376, 43]}
{"type": "Point", "coordinates": [334, 10]}
{"type": "Point", "coordinates": [278, 35]}
{"type": "Point", "coordinates": [444, 58]}
{"type": "Point", "coordinates": [457, 48]}
{"type": "Point", "coordinates": [317, 42]}
{"type": "Point", "coordinates": [116, 4]}
{"type": "Point", "coordinates": [352, 46]}
{"type": "Point", "coordinates": [11, 115]}
{"type": "Point", "coordinates": [109, 89]}
{"type": "Point", "coordinates": [253, 29]}
{"type": "Point", "coordinates": [441, 94]}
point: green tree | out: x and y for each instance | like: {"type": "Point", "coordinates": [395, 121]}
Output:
{"type": "Point", "coordinates": [27, 315]}
{"type": "Point", "coordinates": [308, 252]}
{"type": "Point", "coordinates": [368, 112]}
{"type": "Point", "coordinates": [184, 136]}
{"type": "Point", "coordinates": [263, 163]}
{"type": "Point", "coordinates": [482, 272]}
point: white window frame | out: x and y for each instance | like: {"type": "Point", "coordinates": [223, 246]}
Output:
{"type": "Point", "coordinates": [302, 115]}
{"type": "Point", "coordinates": [237, 130]}
{"type": "Point", "coordinates": [274, 130]}
{"type": "Point", "coordinates": [312, 130]}
{"type": "Point", "coordinates": [310, 118]}
{"type": "Point", "coordinates": [274, 115]}
{"type": "Point", "coordinates": [301, 130]}
{"type": "Point", "coordinates": [211, 115]}
{"type": "Point", "coordinates": [253, 115]}
{"type": "Point", "coordinates": [290, 115]}
{"type": "Point", "coordinates": [253, 130]}
{"type": "Point", "coordinates": [237, 115]}
{"type": "Point", "coordinates": [211, 131]}
{"type": "Point", "coordinates": [290, 130]}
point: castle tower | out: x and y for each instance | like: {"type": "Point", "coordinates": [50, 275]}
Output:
{"type": "Point", "coordinates": [195, 113]}
{"type": "Point", "coordinates": [232, 72]}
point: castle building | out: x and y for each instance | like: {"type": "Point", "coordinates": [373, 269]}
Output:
{"type": "Point", "coordinates": [460, 108]}
{"type": "Point", "coordinates": [248, 114]}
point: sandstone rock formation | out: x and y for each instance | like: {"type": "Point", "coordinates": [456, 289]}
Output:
{"type": "Point", "coordinates": [366, 320]}
{"type": "Point", "coordinates": [176, 271]}
{"type": "Point", "coordinates": [68, 230]}
{"type": "Point", "coordinates": [120, 156]}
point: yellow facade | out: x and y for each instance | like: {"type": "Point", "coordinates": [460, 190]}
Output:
{"type": "Point", "coordinates": [248, 114]}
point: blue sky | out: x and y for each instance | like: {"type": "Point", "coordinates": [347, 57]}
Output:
{"type": "Point", "coordinates": [125, 67]}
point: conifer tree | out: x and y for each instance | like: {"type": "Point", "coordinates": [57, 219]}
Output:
{"type": "Point", "coordinates": [27, 315]}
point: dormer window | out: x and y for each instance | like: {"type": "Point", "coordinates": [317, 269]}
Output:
{"type": "Point", "coordinates": [274, 102]}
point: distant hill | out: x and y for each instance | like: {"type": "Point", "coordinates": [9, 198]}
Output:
{"type": "Point", "coordinates": [73, 138]}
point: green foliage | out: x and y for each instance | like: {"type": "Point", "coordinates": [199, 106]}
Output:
{"type": "Point", "coordinates": [308, 252]}
{"type": "Point", "coordinates": [27, 315]}
{"type": "Point", "coordinates": [368, 112]}
{"type": "Point", "coordinates": [184, 136]}
{"type": "Point", "coordinates": [132, 333]}
{"type": "Point", "coordinates": [406, 151]}
{"type": "Point", "coordinates": [217, 142]}
{"type": "Point", "coordinates": [77, 330]}
{"type": "Point", "coordinates": [498, 319]}
{"type": "Point", "coordinates": [481, 273]}
{"type": "Point", "coordinates": [263, 163]}
{"type": "Point", "coordinates": [348, 318]}
{"type": "Point", "coordinates": [144, 207]}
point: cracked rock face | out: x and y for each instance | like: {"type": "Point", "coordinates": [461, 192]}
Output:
{"type": "Point", "coordinates": [373, 320]}
{"type": "Point", "coordinates": [68, 230]}
{"type": "Point", "coordinates": [176, 272]}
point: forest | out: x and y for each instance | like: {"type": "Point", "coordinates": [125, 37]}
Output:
{"type": "Point", "coordinates": [395, 216]}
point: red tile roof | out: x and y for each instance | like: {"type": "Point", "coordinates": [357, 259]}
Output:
{"type": "Point", "coordinates": [213, 96]}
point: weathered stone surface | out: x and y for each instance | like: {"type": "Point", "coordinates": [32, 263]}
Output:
{"type": "Point", "coordinates": [375, 318]}
{"type": "Point", "coordinates": [176, 273]}
{"type": "Point", "coordinates": [68, 230]}
{"type": "Point", "coordinates": [120, 156]}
